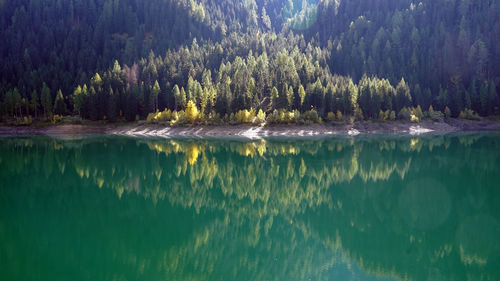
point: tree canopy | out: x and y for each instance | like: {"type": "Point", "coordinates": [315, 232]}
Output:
{"type": "Point", "coordinates": [356, 57]}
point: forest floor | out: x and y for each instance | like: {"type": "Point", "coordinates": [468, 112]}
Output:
{"type": "Point", "coordinates": [142, 129]}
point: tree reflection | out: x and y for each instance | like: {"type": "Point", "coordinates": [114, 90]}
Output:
{"type": "Point", "coordinates": [407, 208]}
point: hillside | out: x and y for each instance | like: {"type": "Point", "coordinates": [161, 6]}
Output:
{"type": "Point", "coordinates": [364, 59]}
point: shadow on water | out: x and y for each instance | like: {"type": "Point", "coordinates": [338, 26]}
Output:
{"type": "Point", "coordinates": [366, 208]}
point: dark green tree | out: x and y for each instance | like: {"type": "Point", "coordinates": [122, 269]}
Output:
{"type": "Point", "coordinates": [113, 111]}
{"type": "Point", "coordinates": [403, 96]}
{"type": "Point", "coordinates": [274, 99]}
{"type": "Point", "coordinates": [78, 100]}
{"type": "Point", "coordinates": [46, 100]}
{"type": "Point", "coordinates": [59, 104]}
{"type": "Point", "coordinates": [302, 96]}
{"type": "Point", "coordinates": [484, 98]}
{"type": "Point", "coordinates": [155, 92]}
{"type": "Point", "coordinates": [34, 103]}
{"type": "Point", "coordinates": [177, 96]}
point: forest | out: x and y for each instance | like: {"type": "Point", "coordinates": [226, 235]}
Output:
{"type": "Point", "coordinates": [248, 61]}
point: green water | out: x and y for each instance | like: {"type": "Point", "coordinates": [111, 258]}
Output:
{"type": "Point", "coordinates": [364, 208]}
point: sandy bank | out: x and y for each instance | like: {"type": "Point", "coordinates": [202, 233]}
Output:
{"type": "Point", "coordinates": [151, 130]}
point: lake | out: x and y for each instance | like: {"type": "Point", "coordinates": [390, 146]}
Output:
{"type": "Point", "coordinates": [362, 208]}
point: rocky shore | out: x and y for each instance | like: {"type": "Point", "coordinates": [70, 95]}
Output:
{"type": "Point", "coordinates": [247, 131]}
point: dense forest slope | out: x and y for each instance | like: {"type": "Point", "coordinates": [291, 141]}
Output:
{"type": "Point", "coordinates": [122, 59]}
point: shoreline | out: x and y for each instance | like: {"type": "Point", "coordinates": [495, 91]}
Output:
{"type": "Point", "coordinates": [249, 131]}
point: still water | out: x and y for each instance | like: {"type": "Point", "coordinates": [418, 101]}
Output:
{"type": "Point", "coordinates": [364, 208]}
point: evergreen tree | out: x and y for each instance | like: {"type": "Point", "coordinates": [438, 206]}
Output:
{"type": "Point", "coordinates": [34, 102]}
{"type": "Point", "coordinates": [78, 100]}
{"type": "Point", "coordinates": [113, 112]}
{"type": "Point", "coordinates": [177, 96]}
{"type": "Point", "coordinates": [474, 96]}
{"type": "Point", "coordinates": [274, 99]}
{"type": "Point", "coordinates": [484, 97]}
{"type": "Point", "coordinates": [467, 100]}
{"type": "Point", "coordinates": [251, 93]}
{"type": "Point", "coordinates": [59, 104]}
{"type": "Point", "coordinates": [418, 96]}
{"type": "Point", "coordinates": [9, 103]}
{"type": "Point", "coordinates": [403, 97]}
{"type": "Point", "coordinates": [457, 102]}
{"type": "Point", "coordinates": [492, 98]}
{"type": "Point", "coordinates": [132, 103]}
{"type": "Point", "coordinates": [427, 101]}
{"type": "Point", "coordinates": [302, 96]}
{"type": "Point", "coordinates": [46, 100]}
{"type": "Point", "coordinates": [183, 98]}
{"type": "Point", "coordinates": [155, 92]}
{"type": "Point", "coordinates": [93, 104]}
{"type": "Point", "coordinates": [16, 101]}
{"type": "Point", "coordinates": [142, 101]}
{"type": "Point", "coordinates": [290, 98]}
{"type": "Point", "coordinates": [85, 108]}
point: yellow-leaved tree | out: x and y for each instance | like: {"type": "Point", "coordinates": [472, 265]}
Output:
{"type": "Point", "coordinates": [192, 112]}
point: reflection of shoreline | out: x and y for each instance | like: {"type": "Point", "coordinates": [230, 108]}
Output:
{"type": "Point", "coordinates": [275, 176]}
{"type": "Point", "coordinates": [295, 163]}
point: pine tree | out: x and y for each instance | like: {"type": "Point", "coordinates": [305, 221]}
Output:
{"type": "Point", "coordinates": [418, 97]}
{"type": "Point", "coordinates": [8, 103]}
{"type": "Point", "coordinates": [190, 89]}
{"type": "Point", "coordinates": [251, 92]}
{"type": "Point", "coordinates": [302, 96]}
{"type": "Point", "coordinates": [290, 98]}
{"type": "Point", "coordinates": [59, 104]}
{"type": "Point", "coordinates": [132, 104]}
{"type": "Point", "coordinates": [78, 100]}
{"type": "Point", "coordinates": [34, 103]}
{"type": "Point", "coordinates": [274, 99]}
{"type": "Point", "coordinates": [427, 98]}
{"type": "Point", "coordinates": [85, 109]}
{"type": "Point", "coordinates": [112, 111]}
{"type": "Point", "coordinates": [177, 96]}
{"type": "Point", "coordinates": [155, 92]}
{"type": "Point", "coordinates": [484, 98]}
{"type": "Point", "coordinates": [456, 102]}
{"type": "Point", "coordinates": [204, 100]}
{"type": "Point", "coordinates": [93, 104]}
{"type": "Point", "coordinates": [467, 100]}
{"type": "Point", "coordinates": [46, 100]}
{"type": "Point", "coordinates": [16, 100]}
{"type": "Point", "coordinates": [474, 96]}
{"type": "Point", "coordinates": [492, 97]}
{"type": "Point", "coordinates": [96, 82]}
{"type": "Point", "coordinates": [145, 102]}
{"type": "Point", "coordinates": [183, 98]}
{"type": "Point", "coordinates": [403, 97]}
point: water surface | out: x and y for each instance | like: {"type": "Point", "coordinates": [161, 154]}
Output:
{"type": "Point", "coordinates": [364, 208]}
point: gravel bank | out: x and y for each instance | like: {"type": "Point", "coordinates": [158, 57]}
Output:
{"type": "Point", "coordinates": [152, 130]}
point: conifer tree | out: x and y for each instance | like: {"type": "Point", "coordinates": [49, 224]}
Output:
{"type": "Point", "coordinates": [290, 98]}
{"type": "Point", "coordinates": [274, 99]}
{"type": "Point", "coordinates": [155, 92]}
{"type": "Point", "coordinates": [302, 95]}
{"type": "Point", "coordinates": [46, 100]}
{"type": "Point", "coordinates": [59, 104]}
{"type": "Point", "coordinates": [34, 102]}
{"type": "Point", "coordinates": [177, 96]}
{"type": "Point", "coordinates": [78, 100]}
